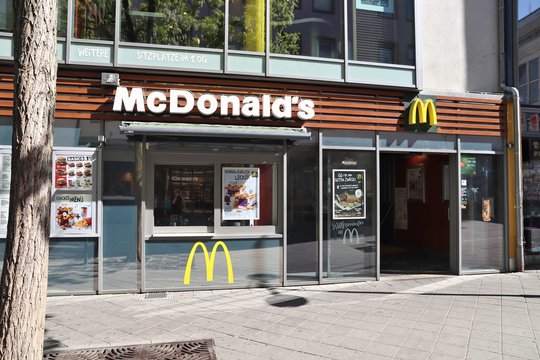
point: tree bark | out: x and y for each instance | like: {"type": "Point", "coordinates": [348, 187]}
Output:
{"type": "Point", "coordinates": [24, 279]}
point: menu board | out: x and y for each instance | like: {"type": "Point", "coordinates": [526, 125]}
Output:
{"type": "Point", "coordinates": [4, 212]}
{"type": "Point", "coordinates": [5, 171]}
{"type": "Point", "coordinates": [72, 213]}
{"type": "Point", "coordinates": [73, 172]}
{"type": "Point", "coordinates": [348, 194]}
{"type": "Point", "coordinates": [240, 193]}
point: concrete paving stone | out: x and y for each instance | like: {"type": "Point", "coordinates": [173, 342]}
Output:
{"type": "Point", "coordinates": [519, 340]}
{"type": "Point", "coordinates": [521, 351]}
{"type": "Point", "coordinates": [454, 339]}
{"type": "Point", "coordinates": [317, 348]}
{"type": "Point", "coordinates": [485, 334]}
{"type": "Point", "coordinates": [424, 334]}
{"type": "Point", "coordinates": [450, 350]}
{"type": "Point", "coordinates": [407, 315]}
{"type": "Point", "coordinates": [412, 354]}
{"type": "Point", "coordinates": [372, 326]}
{"type": "Point", "coordinates": [382, 349]}
{"type": "Point", "coordinates": [400, 323]}
{"type": "Point", "coordinates": [390, 339]}
{"type": "Point", "coordinates": [518, 331]}
{"type": "Point", "coordinates": [312, 325]}
{"type": "Point", "coordinates": [267, 338]}
{"type": "Point", "coordinates": [326, 338]}
{"type": "Point", "coordinates": [276, 353]}
{"type": "Point", "coordinates": [364, 334]}
{"type": "Point", "coordinates": [292, 343]}
{"type": "Point", "coordinates": [343, 321]}
{"type": "Point", "coordinates": [354, 343]}
{"type": "Point", "coordinates": [396, 330]}
{"type": "Point", "coordinates": [304, 333]}
{"type": "Point", "coordinates": [485, 326]}
{"type": "Point", "coordinates": [476, 354]}
{"type": "Point", "coordinates": [230, 354]}
{"type": "Point", "coordinates": [511, 357]}
{"type": "Point", "coordinates": [464, 324]}
{"type": "Point", "coordinates": [372, 356]}
{"type": "Point", "coordinates": [433, 319]}
{"type": "Point", "coordinates": [427, 326]}
{"type": "Point", "coordinates": [492, 345]}
{"type": "Point", "coordinates": [344, 354]}
{"type": "Point", "coordinates": [333, 329]}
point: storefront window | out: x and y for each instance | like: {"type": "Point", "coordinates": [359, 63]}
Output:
{"type": "Point", "coordinates": [482, 212]}
{"type": "Point", "coordinates": [6, 130]}
{"type": "Point", "coordinates": [6, 15]}
{"type": "Point", "coordinates": [381, 31]}
{"type": "Point", "coordinates": [62, 18]}
{"type": "Point", "coordinates": [69, 133]}
{"type": "Point", "coordinates": [247, 25]}
{"type": "Point", "coordinates": [172, 22]}
{"type": "Point", "coordinates": [349, 238]}
{"type": "Point", "coordinates": [94, 19]}
{"type": "Point", "coordinates": [312, 29]}
{"type": "Point", "coordinates": [184, 195]}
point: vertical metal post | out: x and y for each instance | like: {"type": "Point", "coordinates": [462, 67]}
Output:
{"type": "Point", "coordinates": [284, 202]}
{"type": "Point", "coordinates": [69, 30]}
{"type": "Point", "coordinates": [377, 207]}
{"type": "Point", "coordinates": [321, 199]}
{"type": "Point", "coordinates": [99, 191]}
{"type": "Point", "coordinates": [268, 38]}
{"type": "Point", "coordinates": [345, 41]}
{"type": "Point", "coordinates": [418, 43]}
{"type": "Point", "coordinates": [140, 151]}
{"type": "Point", "coordinates": [117, 29]}
{"type": "Point", "coordinates": [226, 40]}
{"type": "Point", "coordinates": [457, 176]}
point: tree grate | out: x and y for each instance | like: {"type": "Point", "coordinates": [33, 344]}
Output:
{"type": "Point", "coordinates": [185, 350]}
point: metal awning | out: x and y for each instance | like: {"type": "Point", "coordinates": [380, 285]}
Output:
{"type": "Point", "coordinates": [210, 130]}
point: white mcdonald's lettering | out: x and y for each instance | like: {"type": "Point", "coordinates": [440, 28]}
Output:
{"type": "Point", "coordinates": [264, 106]}
{"type": "Point", "coordinates": [423, 110]}
{"type": "Point", "coordinates": [209, 261]}
{"type": "Point", "coordinates": [351, 235]}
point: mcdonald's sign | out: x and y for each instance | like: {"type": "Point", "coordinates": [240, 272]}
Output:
{"type": "Point", "coordinates": [422, 112]}
{"type": "Point", "coordinates": [209, 261]}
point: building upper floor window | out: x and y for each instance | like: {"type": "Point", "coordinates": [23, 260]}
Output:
{"type": "Point", "coordinates": [529, 82]}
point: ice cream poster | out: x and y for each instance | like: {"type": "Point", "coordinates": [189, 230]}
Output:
{"type": "Point", "coordinates": [240, 193]}
{"type": "Point", "coordinates": [72, 213]}
{"type": "Point", "coordinates": [349, 189]}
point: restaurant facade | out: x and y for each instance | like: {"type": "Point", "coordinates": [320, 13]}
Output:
{"type": "Point", "coordinates": [235, 162]}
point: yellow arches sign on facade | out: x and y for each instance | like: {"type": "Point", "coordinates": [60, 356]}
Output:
{"type": "Point", "coordinates": [422, 111]}
{"type": "Point", "coordinates": [209, 261]}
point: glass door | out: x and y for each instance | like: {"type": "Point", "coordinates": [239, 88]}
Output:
{"type": "Point", "coordinates": [349, 214]}
{"type": "Point", "coordinates": [482, 213]}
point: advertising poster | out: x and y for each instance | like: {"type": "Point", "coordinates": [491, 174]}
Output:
{"type": "Point", "coordinates": [348, 194]}
{"type": "Point", "coordinates": [5, 171]}
{"type": "Point", "coordinates": [415, 183]}
{"type": "Point", "coordinates": [468, 165]}
{"type": "Point", "coordinates": [400, 209]}
{"type": "Point", "coordinates": [4, 211]}
{"type": "Point", "coordinates": [240, 193]}
{"type": "Point", "coordinates": [72, 213]}
{"type": "Point", "coordinates": [73, 172]}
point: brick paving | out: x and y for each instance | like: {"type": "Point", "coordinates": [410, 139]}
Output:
{"type": "Point", "coordinates": [400, 317]}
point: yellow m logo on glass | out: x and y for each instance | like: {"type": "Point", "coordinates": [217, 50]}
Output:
{"type": "Point", "coordinates": [422, 110]}
{"type": "Point", "coordinates": [209, 260]}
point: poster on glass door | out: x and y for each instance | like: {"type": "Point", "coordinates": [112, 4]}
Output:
{"type": "Point", "coordinates": [4, 212]}
{"type": "Point", "coordinates": [240, 200]}
{"type": "Point", "coordinates": [73, 172]}
{"type": "Point", "coordinates": [348, 194]}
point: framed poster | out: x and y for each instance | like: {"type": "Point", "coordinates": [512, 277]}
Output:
{"type": "Point", "coordinates": [72, 214]}
{"type": "Point", "coordinates": [5, 185]}
{"type": "Point", "coordinates": [348, 194]}
{"type": "Point", "coordinates": [240, 198]}
{"type": "Point", "coordinates": [73, 171]}
{"type": "Point", "coordinates": [415, 183]}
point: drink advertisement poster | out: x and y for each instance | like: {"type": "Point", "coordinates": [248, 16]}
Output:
{"type": "Point", "coordinates": [72, 213]}
{"type": "Point", "coordinates": [348, 194]}
{"type": "Point", "coordinates": [73, 172]}
{"type": "Point", "coordinates": [240, 193]}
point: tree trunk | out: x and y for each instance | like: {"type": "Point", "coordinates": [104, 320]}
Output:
{"type": "Point", "coordinates": [24, 279]}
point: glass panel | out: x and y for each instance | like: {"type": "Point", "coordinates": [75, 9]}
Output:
{"type": "Point", "coordinates": [524, 99]}
{"type": "Point", "coordinates": [120, 264]}
{"type": "Point", "coordinates": [302, 210]}
{"type": "Point", "coordinates": [94, 19]}
{"type": "Point", "coordinates": [531, 197]}
{"type": "Point", "coordinates": [249, 195]}
{"type": "Point", "coordinates": [184, 195]}
{"type": "Point", "coordinates": [533, 92]}
{"type": "Point", "coordinates": [72, 265]}
{"type": "Point", "coordinates": [523, 74]}
{"type": "Point", "coordinates": [297, 31]}
{"type": "Point", "coordinates": [482, 212]}
{"type": "Point", "coordinates": [6, 15]}
{"type": "Point", "coordinates": [62, 18]}
{"type": "Point", "coordinates": [76, 133]}
{"type": "Point", "coordinates": [533, 70]}
{"type": "Point", "coordinates": [172, 22]}
{"type": "Point", "coordinates": [381, 31]}
{"type": "Point", "coordinates": [6, 130]}
{"type": "Point", "coordinates": [247, 26]}
{"type": "Point", "coordinates": [349, 238]}
{"type": "Point", "coordinates": [253, 262]}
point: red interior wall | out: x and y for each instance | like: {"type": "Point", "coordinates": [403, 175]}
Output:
{"type": "Point", "coordinates": [428, 224]}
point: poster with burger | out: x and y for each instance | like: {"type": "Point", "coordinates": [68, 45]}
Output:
{"type": "Point", "coordinates": [73, 172]}
{"type": "Point", "coordinates": [72, 213]}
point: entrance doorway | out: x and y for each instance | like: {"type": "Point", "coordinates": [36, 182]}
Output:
{"type": "Point", "coordinates": [414, 213]}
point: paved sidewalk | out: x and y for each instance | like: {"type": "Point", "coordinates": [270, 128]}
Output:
{"type": "Point", "coordinates": [403, 317]}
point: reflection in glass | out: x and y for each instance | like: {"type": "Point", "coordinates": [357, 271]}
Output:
{"type": "Point", "coordinates": [349, 238]}
{"type": "Point", "coordinates": [246, 25]}
{"type": "Point", "coordinates": [314, 29]}
{"type": "Point", "coordinates": [62, 18]}
{"type": "Point", "coordinates": [6, 15]}
{"type": "Point", "coordinates": [184, 195]}
{"type": "Point", "coordinates": [76, 133]}
{"type": "Point", "coordinates": [94, 19]}
{"type": "Point", "coordinates": [381, 31]}
{"type": "Point", "coordinates": [174, 22]}
{"type": "Point", "coordinates": [482, 212]}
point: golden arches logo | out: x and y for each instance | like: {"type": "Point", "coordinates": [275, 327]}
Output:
{"type": "Point", "coordinates": [209, 260]}
{"type": "Point", "coordinates": [423, 110]}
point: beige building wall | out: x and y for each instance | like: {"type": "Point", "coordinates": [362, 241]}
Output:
{"type": "Point", "coordinates": [459, 45]}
